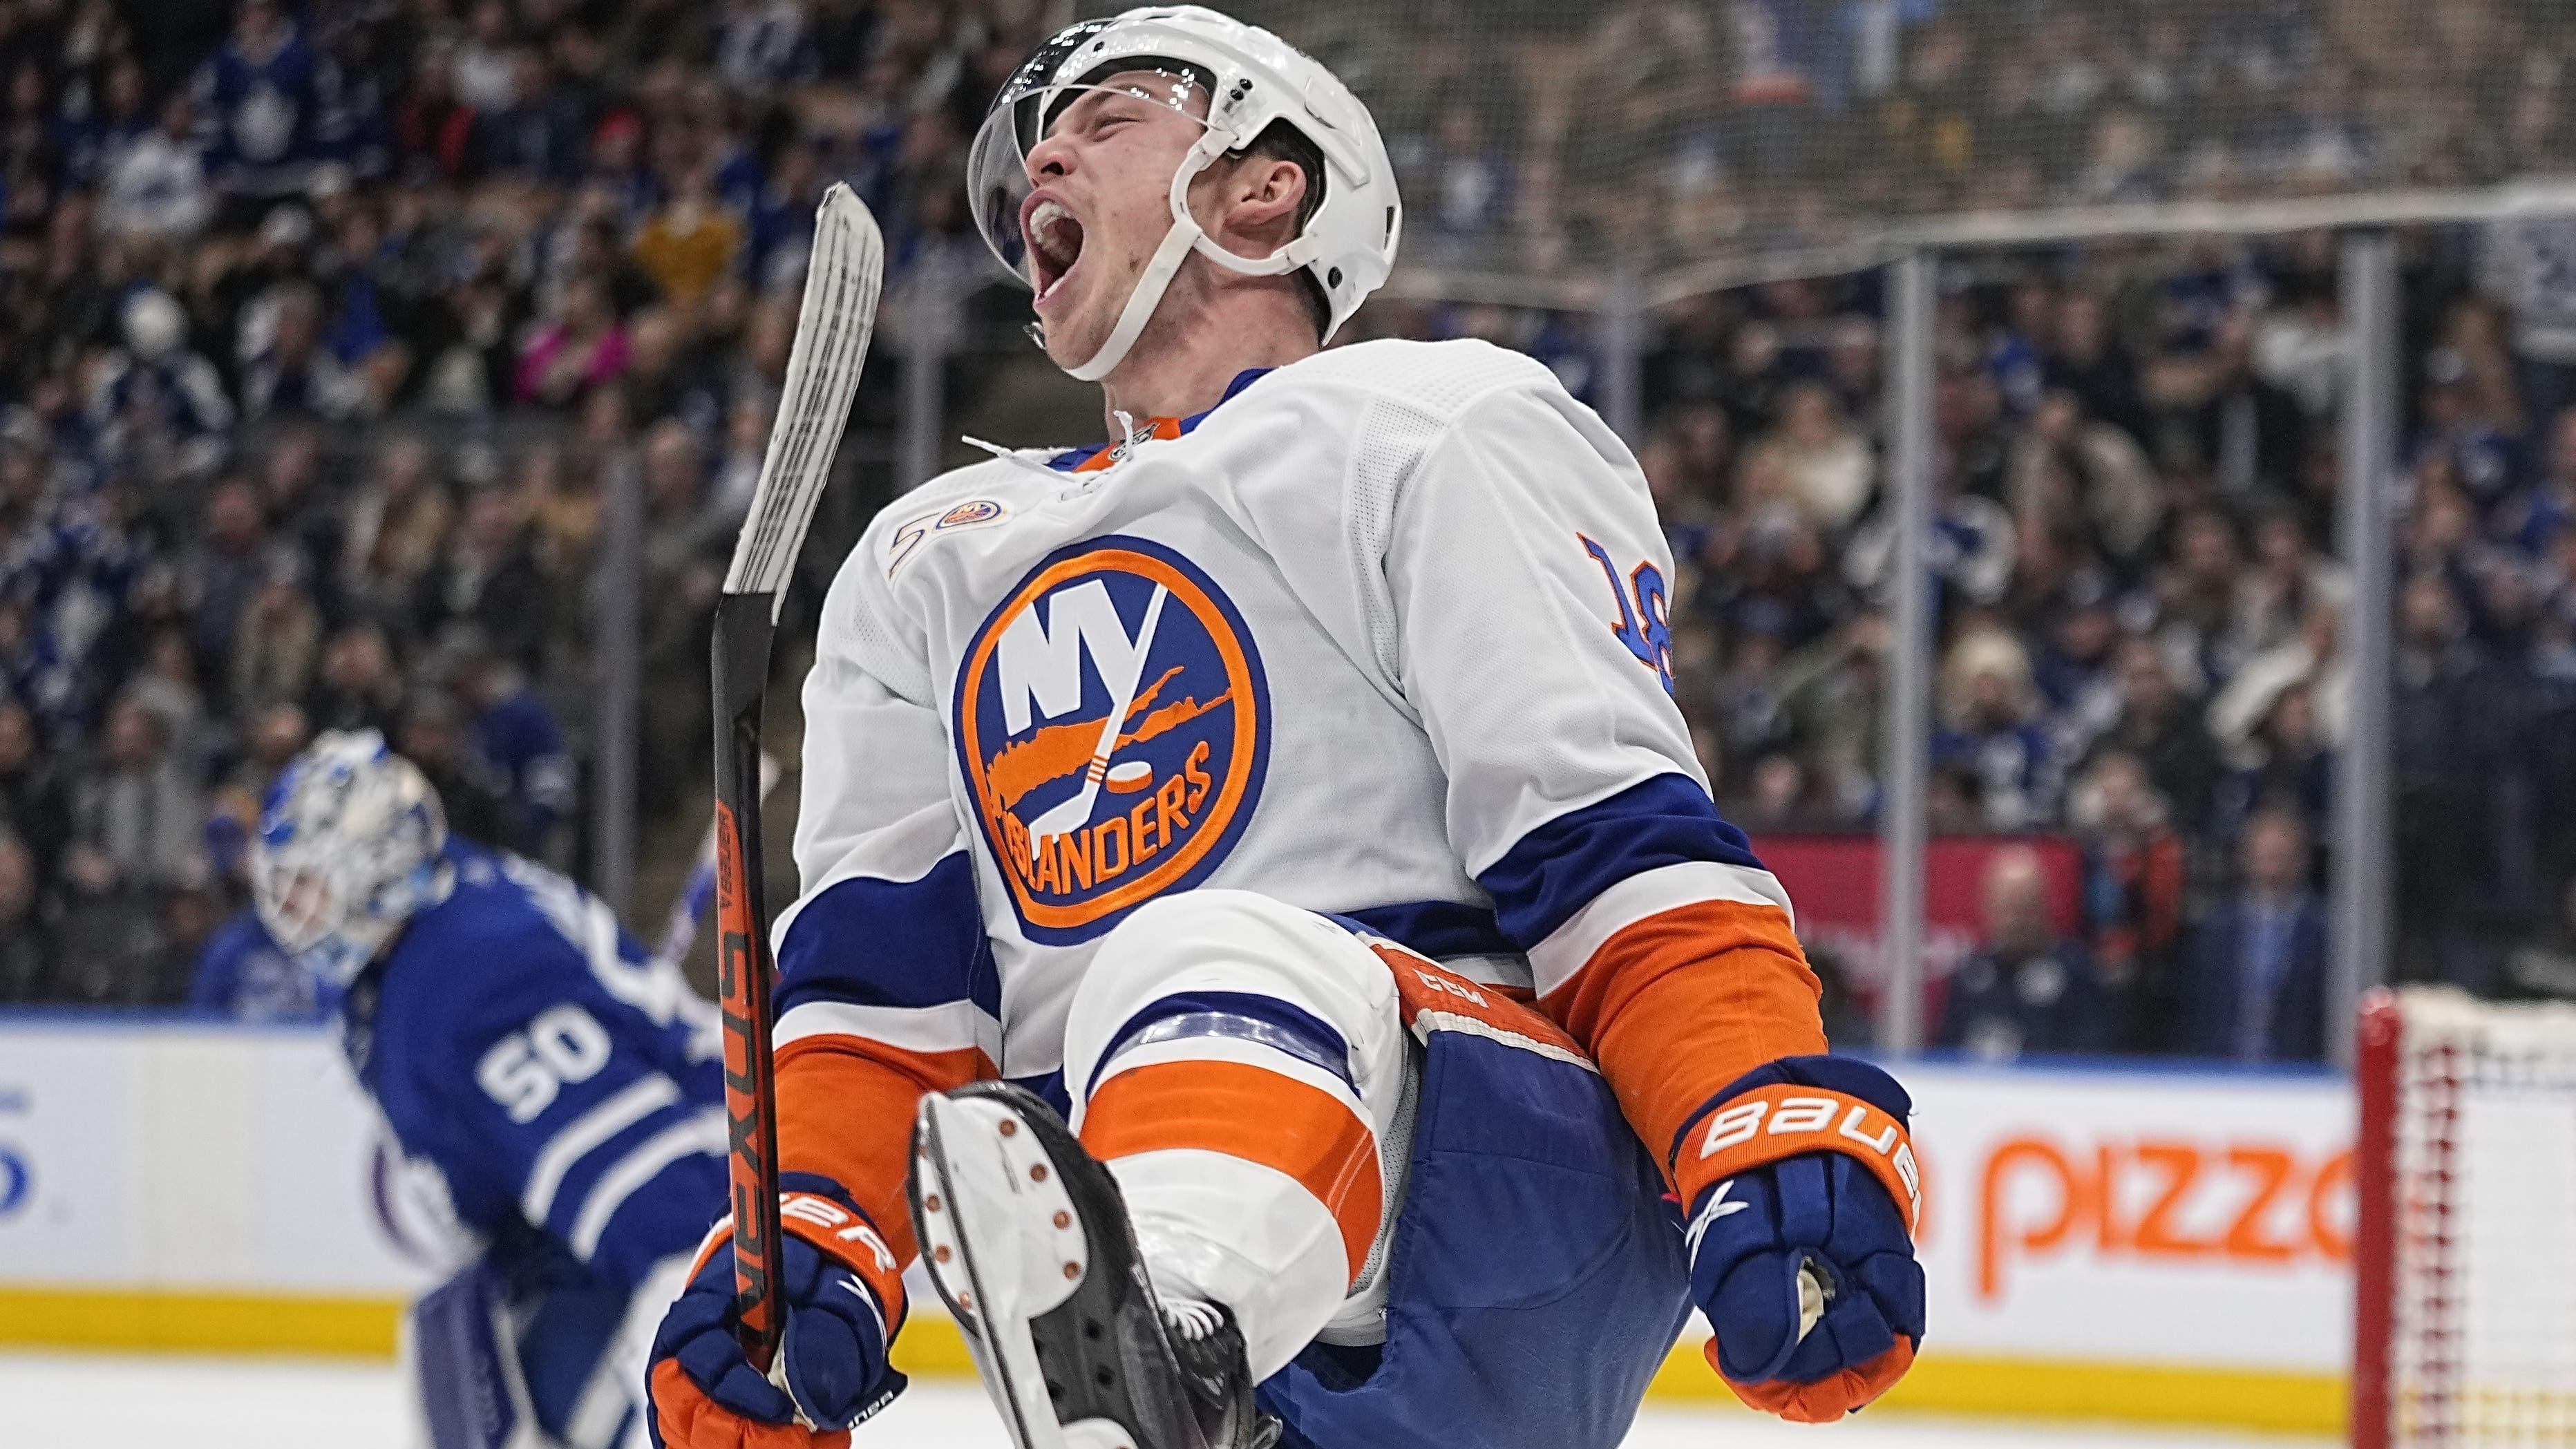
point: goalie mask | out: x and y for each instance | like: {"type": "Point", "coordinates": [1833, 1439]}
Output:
{"type": "Point", "coordinates": [351, 846]}
{"type": "Point", "coordinates": [1235, 81]}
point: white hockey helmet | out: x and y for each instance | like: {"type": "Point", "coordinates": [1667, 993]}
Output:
{"type": "Point", "coordinates": [351, 845]}
{"type": "Point", "coordinates": [1251, 79]}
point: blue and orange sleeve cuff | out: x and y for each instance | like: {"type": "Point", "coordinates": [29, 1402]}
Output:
{"type": "Point", "coordinates": [1679, 1004]}
{"type": "Point", "coordinates": [1797, 1105]}
{"type": "Point", "coordinates": [845, 1110]}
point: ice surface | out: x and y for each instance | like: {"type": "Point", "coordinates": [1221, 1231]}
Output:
{"type": "Point", "coordinates": [65, 1402]}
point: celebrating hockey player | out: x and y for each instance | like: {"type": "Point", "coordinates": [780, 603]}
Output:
{"type": "Point", "coordinates": [1257, 888]}
{"type": "Point", "coordinates": [555, 1095]}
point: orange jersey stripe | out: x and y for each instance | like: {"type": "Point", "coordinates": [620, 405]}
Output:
{"type": "Point", "coordinates": [845, 1109]}
{"type": "Point", "coordinates": [1679, 1004]}
{"type": "Point", "coordinates": [1257, 1115]}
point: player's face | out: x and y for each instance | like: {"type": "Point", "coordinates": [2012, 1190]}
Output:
{"type": "Point", "coordinates": [297, 908]}
{"type": "Point", "coordinates": [1102, 203]}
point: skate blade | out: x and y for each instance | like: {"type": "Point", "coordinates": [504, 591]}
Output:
{"type": "Point", "coordinates": [1003, 1244]}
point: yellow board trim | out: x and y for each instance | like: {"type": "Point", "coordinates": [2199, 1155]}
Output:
{"type": "Point", "coordinates": [349, 1327]}
{"type": "Point", "coordinates": [177, 1321]}
{"type": "Point", "coordinates": [2065, 1389]}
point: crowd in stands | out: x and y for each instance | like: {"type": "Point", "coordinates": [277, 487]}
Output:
{"type": "Point", "coordinates": [325, 331]}
{"type": "Point", "coordinates": [328, 330]}
{"type": "Point", "coordinates": [2141, 618]}
{"type": "Point", "coordinates": [1536, 137]}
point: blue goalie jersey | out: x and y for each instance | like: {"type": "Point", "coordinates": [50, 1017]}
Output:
{"type": "Point", "coordinates": [563, 1094]}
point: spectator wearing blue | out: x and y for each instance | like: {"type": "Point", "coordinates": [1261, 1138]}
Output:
{"type": "Point", "coordinates": [780, 212]}
{"type": "Point", "coordinates": [538, 135]}
{"type": "Point", "coordinates": [242, 975]}
{"type": "Point", "coordinates": [1993, 733]}
{"type": "Point", "coordinates": [2450, 755]}
{"type": "Point", "coordinates": [96, 125]}
{"type": "Point", "coordinates": [2256, 989]}
{"type": "Point", "coordinates": [2292, 766]}
{"type": "Point", "coordinates": [2532, 520]}
{"type": "Point", "coordinates": [295, 375]}
{"type": "Point", "coordinates": [2029, 989]}
{"type": "Point", "coordinates": [271, 110]}
{"type": "Point", "coordinates": [155, 183]}
{"type": "Point", "coordinates": [157, 392]}
{"type": "Point", "coordinates": [763, 46]}
{"type": "Point", "coordinates": [518, 750]}
{"type": "Point", "coordinates": [434, 738]}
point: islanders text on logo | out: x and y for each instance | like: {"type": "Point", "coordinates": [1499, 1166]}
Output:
{"type": "Point", "coordinates": [1112, 725]}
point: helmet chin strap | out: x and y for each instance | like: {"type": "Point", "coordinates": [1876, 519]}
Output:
{"type": "Point", "coordinates": [1148, 295]}
{"type": "Point", "coordinates": [1184, 237]}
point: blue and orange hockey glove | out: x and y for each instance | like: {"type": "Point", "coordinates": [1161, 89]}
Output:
{"type": "Point", "coordinates": [844, 1306]}
{"type": "Point", "coordinates": [1804, 1193]}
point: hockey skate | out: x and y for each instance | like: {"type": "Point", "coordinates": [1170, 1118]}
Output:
{"type": "Point", "coordinates": [1027, 1240]}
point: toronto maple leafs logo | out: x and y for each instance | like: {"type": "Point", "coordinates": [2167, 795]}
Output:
{"type": "Point", "coordinates": [1112, 724]}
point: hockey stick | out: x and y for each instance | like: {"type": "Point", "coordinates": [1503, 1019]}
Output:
{"type": "Point", "coordinates": [698, 895]}
{"type": "Point", "coordinates": [832, 328]}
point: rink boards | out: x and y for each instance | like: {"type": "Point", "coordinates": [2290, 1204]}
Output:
{"type": "Point", "coordinates": [2101, 1243]}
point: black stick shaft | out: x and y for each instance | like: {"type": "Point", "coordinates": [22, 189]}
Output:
{"type": "Point", "coordinates": [745, 973]}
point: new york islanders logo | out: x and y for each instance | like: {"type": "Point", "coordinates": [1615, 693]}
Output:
{"type": "Point", "coordinates": [1113, 725]}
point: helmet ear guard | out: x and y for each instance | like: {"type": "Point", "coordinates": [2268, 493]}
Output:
{"type": "Point", "coordinates": [1347, 241]}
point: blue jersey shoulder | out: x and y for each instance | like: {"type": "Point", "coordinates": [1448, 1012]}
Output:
{"type": "Point", "coordinates": [507, 1011]}
{"type": "Point", "coordinates": [242, 974]}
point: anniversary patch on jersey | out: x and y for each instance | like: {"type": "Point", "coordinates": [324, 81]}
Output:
{"type": "Point", "coordinates": [974, 513]}
{"type": "Point", "coordinates": [967, 515]}
{"type": "Point", "coordinates": [1112, 723]}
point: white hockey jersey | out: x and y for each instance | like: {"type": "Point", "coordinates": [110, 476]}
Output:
{"type": "Point", "coordinates": [1382, 635]}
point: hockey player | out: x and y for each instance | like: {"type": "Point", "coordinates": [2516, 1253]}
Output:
{"type": "Point", "coordinates": [555, 1096]}
{"type": "Point", "coordinates": [1256, 879]}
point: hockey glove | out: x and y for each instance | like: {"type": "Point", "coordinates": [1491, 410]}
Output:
{"type": "Point", "coordinates": [844, 1306]}
{"type": "Point", "coordinates": [1804, 1192]}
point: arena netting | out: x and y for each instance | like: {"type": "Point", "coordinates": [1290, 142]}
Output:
{"type": "Point", "coordinates": [1544, 144]}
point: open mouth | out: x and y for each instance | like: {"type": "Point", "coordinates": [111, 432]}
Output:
{"type": "Point", "coordinates": [1055, 244]}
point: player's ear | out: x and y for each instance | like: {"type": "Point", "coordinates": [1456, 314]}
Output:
{"type": "Point", "coordinates": [1263, 197]}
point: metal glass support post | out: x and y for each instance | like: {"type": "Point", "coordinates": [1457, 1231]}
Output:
{"type": "Point", "coordinates": [619, 599]}
{"type": "Point", "coordinates": [1623, 355]}
{"type": "Point", "coordinates": [2364, 824]}
{"type": "Point", "coordinates": [1908, 712]}
{"type": "Point", "coordinates": [929, 326]}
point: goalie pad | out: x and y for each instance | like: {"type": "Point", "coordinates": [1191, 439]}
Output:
{"type": "Point", "coordinates": [467, 1387]}
{"type": "Point", "coordinates": [499, 1360]}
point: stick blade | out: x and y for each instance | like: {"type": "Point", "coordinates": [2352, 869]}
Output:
{"type": "Point", "coordinates": [838, 316]}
